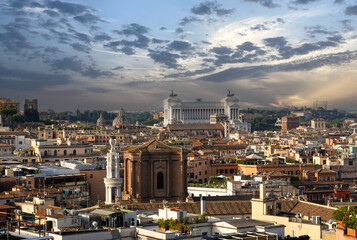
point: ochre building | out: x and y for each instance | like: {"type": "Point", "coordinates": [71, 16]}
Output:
{"type": "Point", "coordinates": [155, 171]}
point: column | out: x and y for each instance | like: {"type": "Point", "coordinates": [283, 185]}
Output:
{"type": "Point", "coordinates": [152, 177]}
{"type": "Point", "coordinates": [125, 176]}
{"type": "Point", "coordinates": [168, 178]}
{"type": "Point", "coordinates": [133, 185]}
{"type": "Point", "coordinates": [118, 192]}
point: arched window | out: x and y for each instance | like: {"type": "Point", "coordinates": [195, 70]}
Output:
{"type": "Point", "coordinates": [65, 152]}
{"type": "Point", "coordinates": [160, 180]}
{"type": "Point", "coordinates": [45, 153]}
{"type": "Point", "coordinates": [74, 152]}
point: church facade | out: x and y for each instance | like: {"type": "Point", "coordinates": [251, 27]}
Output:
{"type": "Point", "coordinates": [156, 171]}
{"type": "Point", "coordinates": [178, 112]}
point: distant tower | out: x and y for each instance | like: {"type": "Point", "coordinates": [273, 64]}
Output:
{"type": "Point", "coordinates": [113, 181]}
{"type": "Point", "coordinates": [33, 104]}
{"type": "Point", "coordinates": [100, 121]}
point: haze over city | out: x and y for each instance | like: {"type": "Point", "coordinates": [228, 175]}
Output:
{"type": "Point", "coordinates": [91, 54]}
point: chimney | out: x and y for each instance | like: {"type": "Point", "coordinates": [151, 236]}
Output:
{"type": "Point", "coordinates": [262, 192]}
{"type": "Point", "coordinates": [203, 205]}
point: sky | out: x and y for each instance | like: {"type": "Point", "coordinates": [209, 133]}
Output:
{"type": "Point", "coordinates": [108, 54]}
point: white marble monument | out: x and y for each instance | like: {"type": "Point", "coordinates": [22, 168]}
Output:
{"type": "Point", "coordinates": [177, 111]}
{"type": "Point", "coordinates": [113, 182]}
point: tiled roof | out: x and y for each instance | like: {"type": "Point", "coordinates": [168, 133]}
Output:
{"type": "Point", "coordinates": [152, 146]}
{"type": "Point", "coordinates": [308, 209]}
{"type": "Point", "coordinates": [3, 207]}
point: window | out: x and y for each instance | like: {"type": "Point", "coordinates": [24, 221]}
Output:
{"type": "Point", "coordinates": [297, 172]}
{"type": "Point", "coordinates": [200, 163]}
{"type": "Point", "coordinates": [350, 163]}
{"type": "Point", "coordinates": [74, 152]}
{"type": "Point", "coordinates": [55, 153]}
{"type": "Point", "coordinates": [91, 176]}
{"type": "Point", "coordinates": [290, 172]}
{"type": "Point", "coordinates": [64, 152]}
{"type": "Point", "coordinates": [205, 172]}
{"type": "Point", "coordinates": [160, 180]}
{"type": "Point", "coordinates": [199, 173]}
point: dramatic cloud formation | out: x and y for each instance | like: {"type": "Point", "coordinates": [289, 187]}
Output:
{"type": "Point", "coordinates": [101, 53]}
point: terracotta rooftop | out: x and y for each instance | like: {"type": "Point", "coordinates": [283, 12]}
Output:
{"type": "Point", "coordinates": [308, 209]}
{"type": "Point", "coordinates": [152, 146]}
{"type": "Point", "coordinates": [3, 207]}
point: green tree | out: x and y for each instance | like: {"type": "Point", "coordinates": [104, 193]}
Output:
{"type": "Point", "coordinates": [8, 111]}
{"type": "Point", "coordinates": [17, 118]}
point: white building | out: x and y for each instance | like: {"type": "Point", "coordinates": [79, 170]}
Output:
{"type": "Point", "coordinates": [177, 111]}
{"type": "Point", "coordinates": [113, 182]}
{"type": "Point", "coordinates": [318, 123]}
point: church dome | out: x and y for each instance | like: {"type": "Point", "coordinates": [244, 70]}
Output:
{"type": "Point", "coordinates": [101, 121]}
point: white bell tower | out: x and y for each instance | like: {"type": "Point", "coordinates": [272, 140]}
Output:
{"type": "Point", "coordinates": [113, 179]}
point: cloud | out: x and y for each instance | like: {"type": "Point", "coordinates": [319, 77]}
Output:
{"type": "Point", "coordinates": [88, 18]}
{"type": "Point", "coordinates": [186, 20]}
{"type": "Point", "coordinates": [159, 41]}
{"type": "Point", "coordinates": [317, 29]}
{"type": "Point", "coordinates": [13, 40]}
{"type": "Point", "coordinates": [133, 29]}
{"type": "Point", "coordinates": [127, 46]}
{"type": "Point", "coordinates": [53, 50]}
{"type": "Point", "coordinates": [23, 80]}
{"type": "Point", "coordinates": [93, 72]}
{"type": "Point", "coordinates": [165, 57]}
{"type": "Point", "coordinates": [260, 71]}
{"type": "Point", "coordinates": [222, 50]}
{"type": "Point", "coordinates": [259, 27]}
{"type": "Point", "coordinates": [179, 30]}
{"type": "Point", "coordinates": [102, 37]}
{"type": "Point", "coordinates": [99, 90]}
{"type": "Point", "coordinates": [347, 25]}
{"type": "Point", "coordinates": [180, 46]}
{"type": "Point", "coordinates": [81, 48]}
{"type": "Point", "coordinates": [286, 51]}
{"type": "Point", "coordinates": [245, 52]}
{"type": "Point", "coordinates": [51, 13]}
{"type": "Point", "coordinates": [80, 36]}
{"type": "Point", "coordinates": [303, 2]}
{"type": "Point", "coordinates": [76, 65]}
{"type": "Point", "coordinates": [67, 63]}
{"type": "Point", "coordinates": [209, 8]}
{"type": "Point", "coordinates": [351, 10]}
{"type": "Point", "coordinates": [191, 73]}
{"type": "Point", "coordinates": [118, 68]}
{"type": "Point", "coordinates": [265, 3]}
{"type": "Point", "coordinates": [67, 8]}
